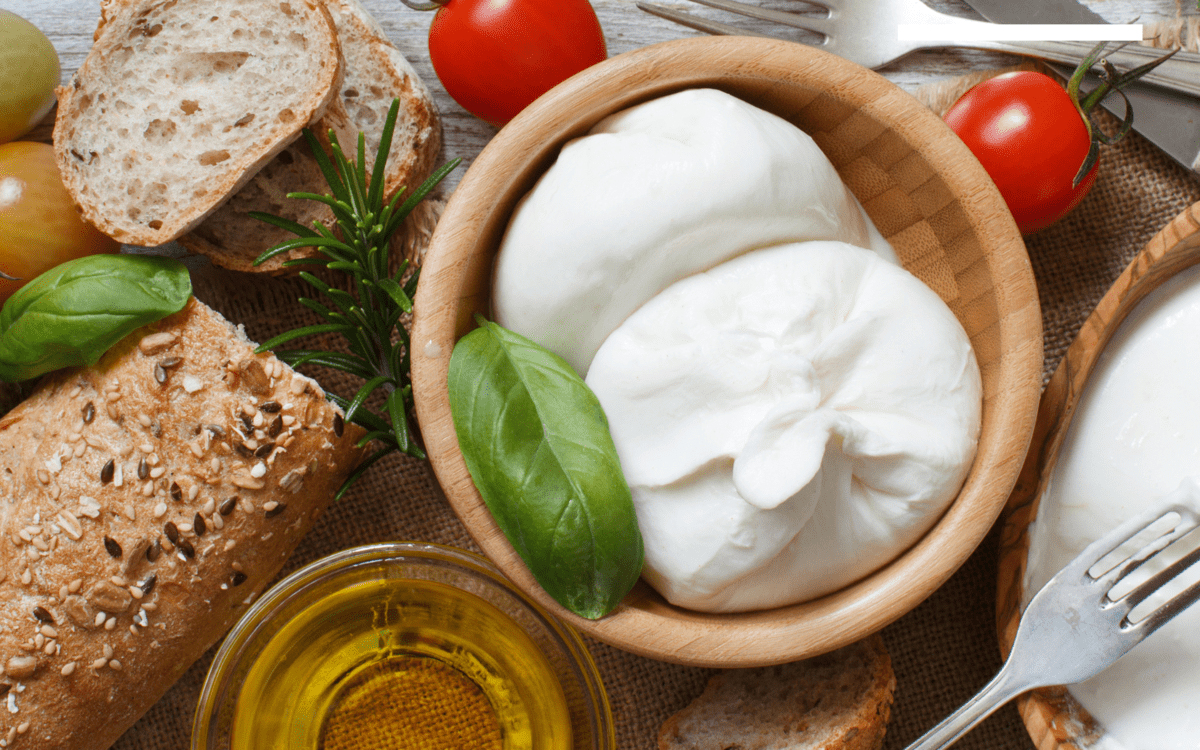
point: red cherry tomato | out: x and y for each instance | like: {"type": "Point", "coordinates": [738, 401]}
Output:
{"type": "Point", "coordinates": [39, 225]}
{"type": "Point", "coordinates": [1024, 129]}
{"type": "Point", "coordinates": [496, 56]}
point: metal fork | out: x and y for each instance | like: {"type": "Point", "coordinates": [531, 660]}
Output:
{"type": "Point", "coordinates": [1072, 630]}
{"type": "Point", "coordinates": [865, 32]}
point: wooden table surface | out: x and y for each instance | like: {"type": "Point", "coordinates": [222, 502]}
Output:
{"type": "Point", "coordinates": [70, 23]}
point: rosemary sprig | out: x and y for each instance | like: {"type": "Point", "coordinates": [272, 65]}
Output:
{"type": "Point", "coordinates": [369, 317]}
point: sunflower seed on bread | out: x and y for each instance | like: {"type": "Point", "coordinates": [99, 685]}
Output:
{"type": "Point", "coordinates": [179, 103]}
{"type": "Point", "coordinates": [837, 701]}
{"type": "Point", "coordinates": [376, 72]}
{"type": "Point", "coordinates": [134, 527]}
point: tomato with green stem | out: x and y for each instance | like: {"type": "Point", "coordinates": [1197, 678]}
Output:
{"type": "Point", "coordinates": [495, 57]}
{"type": "Point", "coordinates": [1024, 130]}
{"type": "Point", "coordinates": [1037, 140]}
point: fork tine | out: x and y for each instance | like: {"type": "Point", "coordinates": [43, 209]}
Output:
{"type": "Point", "coordinates": [697, 23]}
{"type": "Point", "coordinates": [1166, 612]}
{"type": "Point", "coordinates": [1188, 521]}
{"type": "Point", "coordinates": [1145, 589]}
{"type": "Point", "coordinates": [1079, 570]}
{"type": "Point", "coordinates": [815, 24]}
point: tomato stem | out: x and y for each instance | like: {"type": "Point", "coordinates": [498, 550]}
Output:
{"type": "Point", "coordinates": [1110, 80]}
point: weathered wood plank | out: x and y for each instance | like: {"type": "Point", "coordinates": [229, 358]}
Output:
{"type": "Point", "coordinates": [70, 23]}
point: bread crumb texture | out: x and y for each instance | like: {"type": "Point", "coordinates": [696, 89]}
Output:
{"type": "Point", "coordinates": [375, 73]}
{"type": "Point", "coordinates": [144, 503]}
{"type": "Point", "coordinates": [178, 103]}
{"type": "Point", "coordinates": [838, 701]}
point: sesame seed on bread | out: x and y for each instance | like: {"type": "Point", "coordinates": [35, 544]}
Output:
{"type": "Point", "coordinates": [178, 104]}
{"type": "Point", "coordinates": [144, 503]}
{"type": "Point", "coordinates": [838, 701]}
{"type": "Point", "coordinates": [376, 72]}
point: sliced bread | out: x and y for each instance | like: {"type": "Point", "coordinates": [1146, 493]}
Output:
{"type": "Point", "coordinates": [178, 104]}
{"type": "Point", "coordinates": [375, 74]}
{"type": "Point", "coordinates": [838, 701]}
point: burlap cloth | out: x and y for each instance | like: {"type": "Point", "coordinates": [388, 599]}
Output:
{"type": "Point", "coordinates": [942, 652]}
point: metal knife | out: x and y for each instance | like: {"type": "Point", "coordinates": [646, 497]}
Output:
{"type": "Point", "coordinates": [1168, 120]}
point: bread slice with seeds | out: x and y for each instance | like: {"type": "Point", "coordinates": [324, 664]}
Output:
{"type": "Point", "coordinates": [178, 104]}
{"type": "Point", "coordinates": [146, 501]}
{"type": "Point", "coordinates": [838, 701]}
{"type": "Point", "coordinates": [376, 72]}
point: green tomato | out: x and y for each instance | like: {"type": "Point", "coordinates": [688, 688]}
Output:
{"type": "Point", "coordinates": [28, 74]}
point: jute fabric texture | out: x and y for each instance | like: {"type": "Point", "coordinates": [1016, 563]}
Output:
{"type": "Point", "coordinates": [942, 652]}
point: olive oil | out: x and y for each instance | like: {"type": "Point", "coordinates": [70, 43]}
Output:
{"type": "Point", "coordinates": [442, 708]}
{"type": "Point", "coordinates": [404, 665]}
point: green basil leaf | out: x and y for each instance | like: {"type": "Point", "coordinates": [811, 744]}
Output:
{"type": "Point", "coordinates": [537, 444]}
{"type": "Point", "coordinates": [75, 312]}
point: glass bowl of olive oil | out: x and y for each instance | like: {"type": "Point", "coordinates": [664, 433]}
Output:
{"type": "Point", "coordinates": [401, 645]}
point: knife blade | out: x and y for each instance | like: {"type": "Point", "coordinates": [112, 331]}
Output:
{"type": "Point", "coordinates": [1168, 120]}
{"type": "Point", "coordinates": [1034, 11]}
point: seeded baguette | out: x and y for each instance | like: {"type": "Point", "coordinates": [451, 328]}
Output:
{"type": "Point", "coordinates": [837, 701]}
{"type": "Point", "coordinates": [376, 72]}
{"type": "Point", "coordinates": [178, 104]}
{"type": "Point", "coordinates": [144, 503]}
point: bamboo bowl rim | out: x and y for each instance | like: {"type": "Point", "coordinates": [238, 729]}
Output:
{"type": "Point", "coordinates": [464, 242]}
{"type": "Point", "coordinates": [1055, 720]}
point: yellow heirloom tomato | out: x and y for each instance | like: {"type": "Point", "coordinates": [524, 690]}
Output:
{"type": "Point", "coordinates": [39, 224]}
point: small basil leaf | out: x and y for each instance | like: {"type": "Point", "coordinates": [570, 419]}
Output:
{"type": "Point", "coordinates": [73, 313]}
{"type": "Point", "coordinates": [537, 444]}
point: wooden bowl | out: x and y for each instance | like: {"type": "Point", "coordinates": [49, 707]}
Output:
{"type": "Point", "coordinates": [925, 192]}
{"type": "Point", "coordinates": [1055, 719]}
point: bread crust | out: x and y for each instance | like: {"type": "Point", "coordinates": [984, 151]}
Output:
{"type": "Point", "coordinates": [375, 73]}
{"type": "Point", "coordinates": [837, 701]}
{"type": "Point", "coordinates": [123, 556]}
{"type": "Point", "coordinates": [171, 113]}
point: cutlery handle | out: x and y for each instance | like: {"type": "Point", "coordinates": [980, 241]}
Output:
{"type": "Point", "coordinates": [995, 694]}
{"type": "Point", "coordinates": [1181, 73]}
